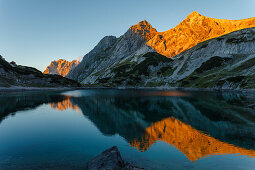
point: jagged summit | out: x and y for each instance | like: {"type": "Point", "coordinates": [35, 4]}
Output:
{"type": "Point", "coordinates": [61, 67]}
{"type": "Point", "coordinates": [144, 23]}
{"type": "Point", "coordinates": [144, 28]}
{"type": "Point", "coordinates": [194, 14]}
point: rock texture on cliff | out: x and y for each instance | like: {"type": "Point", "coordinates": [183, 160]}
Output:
{"type": "Point", "coordinates": [17, 75]}
{"type": "Point", "coordinates": [134, 59]}
{"type": "Point", "coordinates": [61, 67]}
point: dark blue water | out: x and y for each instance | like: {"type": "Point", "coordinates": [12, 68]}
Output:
{"type": "Point", "coordinates": [153, 129]}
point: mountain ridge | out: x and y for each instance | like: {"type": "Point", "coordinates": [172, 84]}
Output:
{"type": "Point", "coordinates": [195, 28]}
{"type": "Point", "coordinates": [130, 59]}
{"type": "Point", "coordinates": [167, 42]}
{"type": "Point", "coordinates": [224, 62]}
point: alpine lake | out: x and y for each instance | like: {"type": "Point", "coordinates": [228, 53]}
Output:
{"type": "Point", "coordinates": [153, 129]}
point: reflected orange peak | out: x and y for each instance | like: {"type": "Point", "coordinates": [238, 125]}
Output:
{"type": "Point", "coordinates": [191, 142]}
{"type": "Point", "coordinates": [64, 105]}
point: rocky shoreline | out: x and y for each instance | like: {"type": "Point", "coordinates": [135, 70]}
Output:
{"type": "Point", "coordinates": [19, 88]}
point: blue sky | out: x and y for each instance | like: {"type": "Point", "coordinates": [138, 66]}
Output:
{"type": "Point", "coordinates": [36, 32]}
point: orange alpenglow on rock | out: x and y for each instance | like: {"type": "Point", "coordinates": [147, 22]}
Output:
{"type": "Point", "coordinates": [194, 29]}
{"type": "Point", "coordinates": [61, 67]}
{"type": "Point", "coordinates": [145, 29]}
{"type": "Point", "coordinates": [191, 142]}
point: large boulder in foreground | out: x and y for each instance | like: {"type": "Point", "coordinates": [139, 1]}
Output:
{"type": "Point", "coordinates": [110, 159]}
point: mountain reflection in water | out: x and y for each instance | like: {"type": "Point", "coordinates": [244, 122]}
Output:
{"type": "Point", "coordinates": [191, 142]}
{"type": "Point", "coordinates": [197, 124]}
{"type": "Point", "coordinates": [64, 105]}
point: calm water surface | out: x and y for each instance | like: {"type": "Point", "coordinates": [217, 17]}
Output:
{"type": "Point", "coordinates": [153, 129]}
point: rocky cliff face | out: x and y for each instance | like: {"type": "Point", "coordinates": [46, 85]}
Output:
{"type": "Point", "coordinates": [131, 60]}
{"type": "Point", "coordinates": [61, 67]}
{"type": "Point", "coordinates": [17, 75]}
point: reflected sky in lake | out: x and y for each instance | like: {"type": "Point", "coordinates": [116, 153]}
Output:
{"type": "Point", "coordinates": [153, 129]}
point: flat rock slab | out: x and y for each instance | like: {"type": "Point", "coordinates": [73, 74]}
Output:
{"type": "Point", "coordinates": [110, 159]}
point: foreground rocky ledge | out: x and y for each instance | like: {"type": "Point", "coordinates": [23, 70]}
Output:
{"type": "Point", "coordinates": [110, 159]}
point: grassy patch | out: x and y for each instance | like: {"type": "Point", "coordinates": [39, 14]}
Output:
{"type": "Point", "coordinates": [212, 63]}
{"type": "Point", "coordinates": [151, 59]}
{"type": "Point", "coordinates": [245, 65]}
{"type": "Point", "coordinates": [165, 71]}
{"type": "Point", "coordinates": [131, 73]}
{"type": "Point", "coordinates": [97, 73]}
{"type": "Point", "coordinates": [239, 40]}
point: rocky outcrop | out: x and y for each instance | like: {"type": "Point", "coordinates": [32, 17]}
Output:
{"type": "Point", "coordinates": [17, 75]}
{"type": "Point", "coordinates": [61, 67]}
{"type": "Point", "coordinates": [109, 159]}
{"type": "Point", "coordinates": [111, 52]}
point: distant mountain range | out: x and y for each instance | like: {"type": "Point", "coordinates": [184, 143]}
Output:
{"type": "Point", "coordinates": [61, 67]}
{"type": "Point", "coordinates": [13, 75]}
{"type": "Point", "coordinates": [199, 52]}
